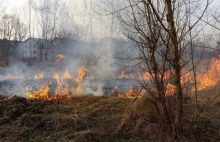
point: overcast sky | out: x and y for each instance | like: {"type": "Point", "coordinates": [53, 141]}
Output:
{"type": "Point", "coordinates": [15, 3]}
{"type": "Point", "coordinates": [18, 5]}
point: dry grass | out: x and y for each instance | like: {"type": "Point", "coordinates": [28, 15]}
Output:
{"type": "Point", "coordinates": [141, 117]}
{"type": "Point", "coordinates": [99, 119]}
{"type": "Point", "coordinates": [79, 118]}
{"type": "Point", "coordinates": [206, 127]}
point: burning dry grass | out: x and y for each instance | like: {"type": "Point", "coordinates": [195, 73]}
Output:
{"type": "Point", "coordinates": [62, 90]}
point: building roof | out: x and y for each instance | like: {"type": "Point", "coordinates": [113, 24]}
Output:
{"type": "Point", "coordinates": [37, 40]}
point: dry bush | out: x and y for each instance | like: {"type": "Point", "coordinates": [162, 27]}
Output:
{"type": "Point", "coordinates": [145, 117]}
{"type": "Point", "coordinates": [141, 117]}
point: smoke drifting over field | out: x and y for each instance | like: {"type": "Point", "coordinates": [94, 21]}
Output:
{"type": "Point", "coordinates": [80, 68]}
{"type": "Point", "coordinates": [85, 67]}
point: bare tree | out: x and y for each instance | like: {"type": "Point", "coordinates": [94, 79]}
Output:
{"type": "Point", "coordinates": [51, 16]}
{"type": "Point", "coordinates": [160, 30]}
{"type": "Point", "coordinates": [110, 22]}
{"type": "Point", "coordinates": [8, 26]}
{"type": "Point", "coordinates": [20, 29]}
{"type": "Point", "coordinates": [30, 21]}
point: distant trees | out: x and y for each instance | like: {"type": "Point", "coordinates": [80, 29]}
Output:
{"type": "Point", "coordinates": [12, 28]}
{"type": "Point", "coordinates": [47, 18]}
{"type": "Point", "coordinates": [20, 29]}
{"type": "Point", "coordinates": [8, 22]}
{"type": "Point", "coordinates": [105, 9]}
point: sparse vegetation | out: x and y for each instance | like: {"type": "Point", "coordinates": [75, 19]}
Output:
{"type": "Point", "coordinates": [89, 118]}
{"type": "Point", "coordinates": [161, 52]}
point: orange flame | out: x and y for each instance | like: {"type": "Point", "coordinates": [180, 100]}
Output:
{"type": "Point", "coordinates": [56, 75]}
{"type": "Point", "coordinates": [67, 75]}
{"type": "Point", "coordinates": [11, 76]}
{"type": "Point", "coordinates": [113, 91]}
{"type": "Point", "coordinates": [128, 93]}
{"type": "Point", "coordinates": [170, 89]}
{"type": "Point", "coordinates": [42, 92]}
{"type": "Point", "coordinates": [123, 75]}
{"type": "Point", "coordinates": [82, 71]}
{"type": "Point", "coordinates": [205, 79]}
{"type": "Point", "coordinates": [210, 78]}
{"type": "Point", "coordinates": [146, 76]}
{"type": "Point", "coordinates": [39, 76]}
{"type": "Point", "coordinates": [62, 88]}
{"type": "Point", "coordinates": [131, 92]}
{"type": "Point", "coordinates": [59, 58]}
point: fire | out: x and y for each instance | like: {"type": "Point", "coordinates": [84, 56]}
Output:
{"type": "Point", "coordinates": [113, 91]}
{"type": "Point", "coordinates": [62, 88]}
{"type": "Point", "coordinates": [39, 76]}
{"type": "Point", "coordinates": [170, 89]}
{"type": "Point", "coordinates": [43, 91]}
{"type": "Point", "coordinates": [56, 88]}
{"type": "Point", "coordinates": [11, 76]}
{"type": "Point", "coordinates": [146, 76]}
{"type": "Point", "coordinates": [82, 71]}
{"type": "Point", "coordinates": [131, 92]}
{"type": "Point", "coordinates": [56, 75]}
{"type": "Point", "coordinates": [128, 93]}
{"type": "Point", "coordinates": [211, 77]}
{"type": "Point", "coordinates": [187, 77]}
{"type": "Point", "coordinates": [123, 75]}
{"type": "Point", "coordinates": [205, 79]}
{"type": "Point", "coordinates": [67, 75]}
{"type": "Point", "coordinates": [59, 58]}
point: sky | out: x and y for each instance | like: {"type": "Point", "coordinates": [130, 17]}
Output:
{"type": "Point", "coordinates": [17, 5]}
{"type": "Point", "coordinates": [14, 5]}
{"type": "Point", "coordinates": [11, 4]}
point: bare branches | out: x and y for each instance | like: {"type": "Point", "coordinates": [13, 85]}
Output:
{"type": "Point", "coordinates": [161, 31]}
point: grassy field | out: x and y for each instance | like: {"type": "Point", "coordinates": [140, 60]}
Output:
{"type": "Point", "coordinates": [89, 118]}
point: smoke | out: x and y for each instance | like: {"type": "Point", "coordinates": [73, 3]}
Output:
{"type": "Point", "coordinates": [100, 58]}
{"type": "Point", "coordinates": [89, 87]}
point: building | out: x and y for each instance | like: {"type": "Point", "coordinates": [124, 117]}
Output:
{"type": "Point", "coordinates": [34, 48]}
{"type": "Point", "coordinates": [7, 51]}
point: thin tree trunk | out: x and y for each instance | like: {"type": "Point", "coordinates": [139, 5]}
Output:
{"type": "Point", "coordinates": [194, 68]}
{"type": "Point", "coordinates": [176, 67]}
